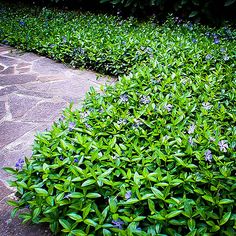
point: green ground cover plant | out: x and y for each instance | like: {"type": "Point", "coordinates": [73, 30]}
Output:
{"type": "Point", "coordinates": [152, 155]}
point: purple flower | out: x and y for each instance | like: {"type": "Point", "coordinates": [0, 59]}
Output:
{"type": "Point", "coordinates": [223, 50]}
{"type": "Point", "coordinates": [191, 129]}
{"type": "Point", "coordinates": [168, 107]}
{"type": "Point", "coordinates": [208, 155]}
{"type": "Point", "coordinates": [145, 100]}
{"type": "Point", "coordinates": [22, 23]}
{"type": "Point", "coordinates": [194, 40]}
{"type": "Point", "coordinates": [84, 115]}
{"type": "Point", "coordinates": [208, 57]}
{"type": "Point", "coordinates": [71, 126]}
{"type": "Point", "coordinates": [206, 105]}
{"type": "Point", "coordinates": [226, 57]}
{"type": "Point", "coordinates": [124, 98]}
{"type": "Point", "coordinates": [118, 223]}
{"type": "Point", "coordinates": [128, 195]}
{"type": "Point", "coordinates": [4, 41]}
{"type": "Point", "coordinates": [137, 123]}
{"type": "Point", "coordinates": [190, 141]}
{"type": "Point", "coordinates": [216, 40]}
{"type": "Point", "coordinates": [223, 145]}
{"type": "Point", "coordinates": [88, 126]}
{"type": "Point", "coordinates": [19, 164]}
{"type": "Point", "coordinates": [64, 39]}
{"type": "Point", "coordinates": [61, 158]}
{"type": "Point", "coordinates": [122, 121]}
{"type": "Point", "coordinates": [76, 160]}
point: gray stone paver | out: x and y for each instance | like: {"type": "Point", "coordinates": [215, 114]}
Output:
{"type": "Point", "coordinates": [33, 92]}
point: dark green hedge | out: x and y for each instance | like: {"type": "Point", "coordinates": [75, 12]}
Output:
{"type": "Point", "coordinates": [207, 11]}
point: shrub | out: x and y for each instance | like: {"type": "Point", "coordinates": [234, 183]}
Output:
{"type": "Point", "coordinates": [153, 155]}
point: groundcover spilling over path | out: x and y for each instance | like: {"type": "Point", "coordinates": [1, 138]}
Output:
{"type": "Point", "coordinates": [33, 92]}
{"type": "Point", "coordinates": [153, 155]}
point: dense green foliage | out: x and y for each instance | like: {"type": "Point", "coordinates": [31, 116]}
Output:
{"type": "Point", "coordinates": [153, 155]}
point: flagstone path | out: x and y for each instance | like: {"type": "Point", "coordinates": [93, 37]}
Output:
{"type": "Point", "coordinates": [33, 92]}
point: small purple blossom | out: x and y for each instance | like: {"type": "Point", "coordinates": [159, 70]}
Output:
{"type": "Point", "coordinates": [71, 126]}
{"type": "Point", "coordinates": [21, 23]}
{"type": "Point", "coordinates": [61, 158]}
{"type": "Point", "coordinates": [128, 195]}
{"type": "Point", "coordinates": [124, 98]}
{"type": "Point", "coordinates": [76, 160]}
{"type": "Point", "coordinates": [67, 196]}
{"type": "Point", "coordinates": [194, 40]}
{"type": "Point", "coordinates": [223, 145]}
{"type": "Point", "coordinates": [190, 141]}
{"type": "Point", "coordinates": [206, 105]}
{"type": "Point", "coordinates": [208, 57]}
{"type": "Point", "coordinates": [137, 123]}
{"type": "Point", "coordinates": [223, 50]}
{"type": "Point", "coordinates": [226, 57]}
{"type": "Point", "coordinates": [145, 100]}
{"type": "Point", "coordinates": [208, 155]}
{"type": "Point", "coordinates": [19, 164]}
{"type": "Point", "coordinates": [122, 121]}
{"type": "Point", "coordinates": [118, 223]}
{"type": "Point", "coordinates": [216, 40]}
{"type": "Point", "coordinates": [88, 126]}
{"type": "Point", "coordinates": [64, 39]}
{"type": "Point", "coordinates": [168, 107]}
{"type": "Point", "coordinates": [84, 115]}
{"type": "Point", "coordinates": [191, 129]}
{"type": "Point", "coordinates": [62, 118]}
{"type": "Point", "coordinates": [4, 41]}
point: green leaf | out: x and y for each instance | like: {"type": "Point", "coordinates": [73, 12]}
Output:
{"type": "Point", "coordinates": [229, 2]}
{"type": "Point", "coordinates": [13, 203]}
{"type": "Point", "coordinates": [158, 194]}
{"type": "Point", "coordinates": [90, 222]}
{"type": "Point", "coordinates": [75, 217]}
{"type": "Point", "coordinates": [225, 218]}
{"type": "Point", "coordinates": [65, 224]}
{"type": "Point", "coordinates": [193, 14]}
{"type": "Point", "coordinates": [93, 195]}
{"type": "Point", "coordinates": [79, 232]}
{"type": "Point", "coordinates": [225, 201]}
{"type": "Point", "coordinates": [41, 192]}
{"type": "Point", "coordinates": [10, 170]}
{"type": "Point", "coordinates": [113, 205]}
{"type": "Point", "coordinates": [86, 210]}
{"type": "Point", "coordinates": [75, 195]}
{"type": "Point", "coordinates": [88, 182]}
{"type": "Point", "coordinates": [173, 214]}
{"type": "Point", "coordinates": [208, 198]}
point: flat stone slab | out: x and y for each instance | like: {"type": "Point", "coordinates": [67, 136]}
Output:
{"type": "Point", "coordinates": [46, 66]}
{"type": "Point", "coordinates": [25, 103]}
{"type": "Point", "coordinates": [45, 111]}
{"type": "Point", "coordinates": [10, 131]}
{"type": "Point", "coordinates": [16, 79]}
{"type": "Point", "coordinates": [2, 109]}
{"type": "Point", "coordinates": [8, 90]}
{"type": "Point", "coordinates": [8, 61]}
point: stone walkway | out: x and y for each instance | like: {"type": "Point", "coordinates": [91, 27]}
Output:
{"type": "Point", "coordinates": [33, 92]}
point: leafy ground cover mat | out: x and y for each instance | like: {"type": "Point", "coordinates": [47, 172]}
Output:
{"type": "Point", "coordinates": [153, 155]}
